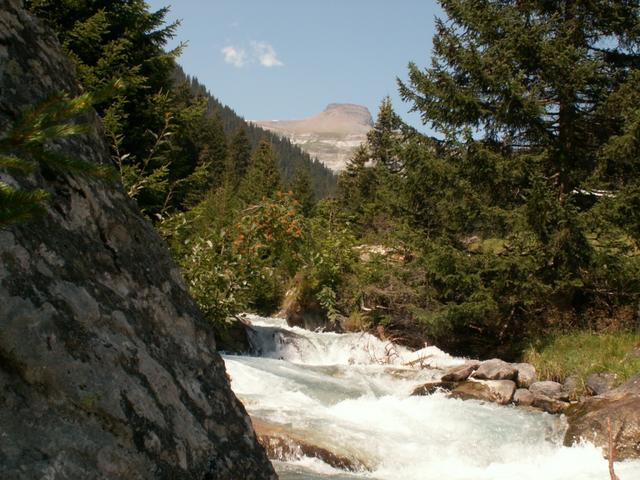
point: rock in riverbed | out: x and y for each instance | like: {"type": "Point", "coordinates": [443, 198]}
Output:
{"type": "Point", "coordinates": [599, 383]}
{"type": "Point", "coordinates": [589, 420]}
{"type": "Point", "coordinates": [526, 375]}
{"type": "Point", "coordinates": [495, 369]}
{"type": "Point", "coordinates": [460, 373]}
{"type": "Point", "coordinates": [430, 388]}
{"type": "Point", "coordinates": [523, 397]}
{"type": "Point", "coordinates": [553, 390]}
{"type": "Point", "coordinates": [497, 391]}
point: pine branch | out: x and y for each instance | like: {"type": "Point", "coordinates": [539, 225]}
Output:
{"type": "Point", "coordinates": [19, 205]}
{"type": "Point", "coordinates": [64, 163]}
{"type": "Point", "coordinates": [11, 162]}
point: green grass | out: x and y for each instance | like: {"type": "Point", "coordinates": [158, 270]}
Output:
{"type": "Point", "coordinates": [581, 353]}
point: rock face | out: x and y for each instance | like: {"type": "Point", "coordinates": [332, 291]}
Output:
{"type": "Point", "coordinates": [589, 420]}
{"type": "Point", "coordinates": [331, 136]}
{"type": "Point", "coordinates": [107, 370]}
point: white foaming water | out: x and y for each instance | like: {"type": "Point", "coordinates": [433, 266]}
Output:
{"type": "Point", "coordinates": [350, 394]}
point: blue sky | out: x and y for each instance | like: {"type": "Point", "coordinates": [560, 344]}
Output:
{"type": "Point", "coordinates": [288, 59]}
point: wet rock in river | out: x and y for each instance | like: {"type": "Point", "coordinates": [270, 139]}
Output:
{"type": "Point", "coordinates": [430, 388]}
{"type": "Point", "coordinates": [526, 375]}
{"type": "Point", "coordinates": [549, 389]}
{"type": "Point", "coordinates": [460, 373]}
{"type": "Point", "coordinates": [549, 405]}
{"type": "Point", "coordinates": [285, 445]}
{"type": "Point", "coordinates": [495, 369]}
{"type": "Point", "coordinates": [497, 391]}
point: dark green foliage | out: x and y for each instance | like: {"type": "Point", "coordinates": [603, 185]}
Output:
{"type": "Point", "coordinates": [239, 155]}
{"type": "Point", "coordinates": [18, 205]}
{"type": "Point", "coordinates": [303, 191]}
{"type": "Point", "coordinates": [262, 179]}
{"type": "Point", "coordinates": [522, 211]}
{"type": "Point", "coordinates": [522, 95]}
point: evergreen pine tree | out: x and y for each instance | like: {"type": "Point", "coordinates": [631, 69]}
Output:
{"type": "Point", "coordinates": [239, 154]}
{"type": "Point", "coordinates": [383, 138]}
{"type": "Point", "coordinates": [303, 191]}
{"type": "Point", "coordinates": [263, 177]}
{"type": "Point", "coordinates": [529, 76]}
{"type": "Point", "coordinates": [522, 94]}
{"type": "Point", "coordinates": [519, 91]}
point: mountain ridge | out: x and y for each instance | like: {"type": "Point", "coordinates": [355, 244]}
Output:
{"type": "Point", "coordinates": [331, 136]}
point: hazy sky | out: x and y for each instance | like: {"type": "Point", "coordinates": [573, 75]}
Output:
{"type": "Point", "coordinates": [288, 59]}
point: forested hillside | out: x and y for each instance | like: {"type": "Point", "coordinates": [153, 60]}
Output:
{"type": "Point", "coordinates": [290, 157]}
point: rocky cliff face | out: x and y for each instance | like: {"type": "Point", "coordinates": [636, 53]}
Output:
{"type": "Point", "coordinates": [331, 136]}
{"type": "Point", "coordinates": [107, 370]}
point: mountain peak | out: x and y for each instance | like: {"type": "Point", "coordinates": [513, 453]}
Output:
{"type": "Point", "coordinates": [331, 135]}
{"type": "Point", "coordinates": [350, 111]}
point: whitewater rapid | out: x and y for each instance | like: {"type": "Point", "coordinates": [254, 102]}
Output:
{"type": "Point", "coordinates": [350, 394]}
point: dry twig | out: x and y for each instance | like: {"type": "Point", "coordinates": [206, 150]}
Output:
{"type": "Point", "coordinates": [612, 451]}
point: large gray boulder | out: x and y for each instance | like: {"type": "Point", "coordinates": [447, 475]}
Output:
{"type": "Point", "coordinates": [523, 397]}
{"type": "Point", "coordinates": [460, 372]}
{"type": "Point", "coordinates": [496, 391]}
{"type": "Point", "coordinates": [495, 369]}
{"type": "Point", "coordinates": [589, 420]}
{"type": "Point", "coordinates": [599, 383]}
{"type": "Point", "coordinates": [547, 388]}
{"type": "Point", "coordinates": [526, 375]}
{"type": "Point", "coordinates": [107, 369]}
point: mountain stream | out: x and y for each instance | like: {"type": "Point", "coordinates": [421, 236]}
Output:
{"type": "Point", "coordinates": [338, 406]}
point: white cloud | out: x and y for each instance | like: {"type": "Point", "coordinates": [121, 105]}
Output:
{"type": "Point", "coordinates": [266, 54]}
{"type": "Point", "coordinates": [235, 56]}
{"type": "Point", "coordinates": [260, 53]}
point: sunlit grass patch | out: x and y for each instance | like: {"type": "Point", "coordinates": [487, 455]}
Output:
{"type": "Point", "coordinates": [581, 353]}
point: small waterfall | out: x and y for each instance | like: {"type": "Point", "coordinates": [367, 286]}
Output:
{"type": "Point", "coordinates": [338, 406]}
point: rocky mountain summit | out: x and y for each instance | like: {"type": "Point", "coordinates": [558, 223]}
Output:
{"type": "Point", "coordinates": [331, 136]}
{"type": "Point", "coordinates": [107, 368]}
